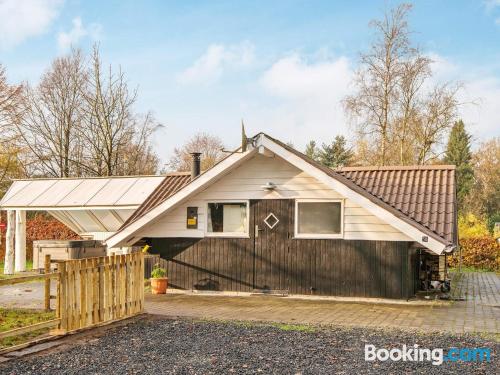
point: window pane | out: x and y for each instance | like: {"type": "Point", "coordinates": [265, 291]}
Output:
{"type": "Point", "coordinates": [227, 217]}
{"type": "Point", "coordinates": [319, 217]}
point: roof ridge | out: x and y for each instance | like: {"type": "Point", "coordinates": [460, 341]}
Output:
{"type": "Point", "coordinates": [96, 177]}
{"type": "Point", "coordinates": [397, 168]}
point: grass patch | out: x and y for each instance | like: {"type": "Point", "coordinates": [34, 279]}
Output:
{"type": "Point", "coordinates": [294, 327]}
{"type": "Point", "coordinates": [469, 269]}
{"type": "Point", "coordinates": [16, 318]}
{"type": "Point", "coordinates": [29, 267]}
{"type": "Point", "coordinates": [251, 324]}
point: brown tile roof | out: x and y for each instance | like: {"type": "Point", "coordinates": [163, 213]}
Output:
{"type": "Point", "coordinates": [172, 183]}
{"type": "Point", "coordinates": [425, 194]}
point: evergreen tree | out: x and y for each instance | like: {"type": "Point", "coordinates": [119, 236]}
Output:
{"type": "Point", "coordinates": [458, 153]}
{"type": "Point", "coordinates": [311, 150]}
{"type": "Point", "coordinates": [335, 154]}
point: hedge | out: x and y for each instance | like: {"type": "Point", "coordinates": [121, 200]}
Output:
{"type": "Point", "coordinates": [41, 228]}
{"type": "Point", "coordinates": [478, 252]}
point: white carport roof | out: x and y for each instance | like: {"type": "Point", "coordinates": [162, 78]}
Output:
{"type": "Point", "coordinates": [86, 205]}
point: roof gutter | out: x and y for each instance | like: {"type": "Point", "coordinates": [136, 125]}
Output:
{"type": "Point", "coordinates": [449, 249]}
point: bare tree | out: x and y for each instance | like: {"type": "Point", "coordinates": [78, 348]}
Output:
{"type": "Point", "coordinates": [210, 147]}
{"type": "Point", "coordinates": [438, 112]}
{"type": "Point", "coordinates": [377, 80]}
{"type": "Point", "coordinates": [138, 156]}
{"type": "Point", "coordinates": [79, 121]}
{"type": "Point", "coordinates": [52, 115]}
{"type": "Point", "coordinates": [117, 140]}
{"type": "Point", "coordinates": [10, 97]}
{"type": "Point", "coordinates": [414, 73]}
{"type": "Point", "coordinates": [10, 103]}
{"type": "Point", "coordinates": [393, 104]}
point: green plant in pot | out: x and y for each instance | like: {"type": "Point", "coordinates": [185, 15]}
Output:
{"type": "Point", "coordinates": [159, 280]}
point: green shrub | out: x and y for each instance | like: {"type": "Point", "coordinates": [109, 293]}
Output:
{"type": "Point", "coordinates": [158, 272]}
{"type": "Point", "coordinates": [478, 252]}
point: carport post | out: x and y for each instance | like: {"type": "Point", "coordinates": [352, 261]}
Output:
{"type": "Point", "coordinates": [20, 264]}
{"type": "Point", "coordinates": [8, 268]}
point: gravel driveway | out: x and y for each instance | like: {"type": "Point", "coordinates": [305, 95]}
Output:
{"type": "Point", "coordinates": [158, 346]}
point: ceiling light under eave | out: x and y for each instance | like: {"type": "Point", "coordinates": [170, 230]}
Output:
{"type": "Point", "coordinates": [269, 186]}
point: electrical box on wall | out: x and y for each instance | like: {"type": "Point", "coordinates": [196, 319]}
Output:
{"type": "Point", "coordinates": [192, 218]}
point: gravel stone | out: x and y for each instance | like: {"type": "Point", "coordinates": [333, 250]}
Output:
{"type": "Point", "coordinates": [208, 347]}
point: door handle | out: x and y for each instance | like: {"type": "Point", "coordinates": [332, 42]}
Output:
{"type": "Point", "coordinates": [257, 229]}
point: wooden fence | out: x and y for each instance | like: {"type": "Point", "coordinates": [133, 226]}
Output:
{"type": "Point", "coordinates": [98, 290]}
{"type": "Point", "coordinates": [90, 292]}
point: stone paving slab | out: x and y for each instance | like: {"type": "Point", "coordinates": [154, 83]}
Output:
{"type": "Point", "coordinates": [479, 312]}
{"type": "Point", "coordinates": [27, 295]}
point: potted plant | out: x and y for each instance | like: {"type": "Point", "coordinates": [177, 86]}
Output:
{"type": "Point", "coordinates": [159, 280]}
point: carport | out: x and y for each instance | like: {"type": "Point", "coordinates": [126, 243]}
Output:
{"type": "Point", "coordinates": [94, 208]}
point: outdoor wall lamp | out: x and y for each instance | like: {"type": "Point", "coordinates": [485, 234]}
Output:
{"type": "Point", "coordinates": [269, 186]}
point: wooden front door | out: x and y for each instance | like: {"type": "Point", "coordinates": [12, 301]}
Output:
{"type": "Point", "coordinates": [271, 224]}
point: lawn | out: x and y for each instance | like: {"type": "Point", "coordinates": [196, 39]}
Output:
{"type": "Point", "coordinates": [29, 267]}
{"type": "Point", "coordinates": [15, 318]}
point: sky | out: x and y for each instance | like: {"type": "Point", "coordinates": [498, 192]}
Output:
{"type": "Point", "coordinates": [282, 67]}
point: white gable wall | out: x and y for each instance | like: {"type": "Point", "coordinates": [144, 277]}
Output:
{"type": "Point", "coordinates": [245, 183]}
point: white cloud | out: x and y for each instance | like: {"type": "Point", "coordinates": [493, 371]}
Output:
{"type": "Point", "coordinates": [497, 21]}
{"type": "Point", "coordinates": [309, 96]}
{"type": "Point", "coordinates": [218, 58]}
{"type": "Point", "coordinates": [491, 4]}
{"type": "Point", "coordinates": [304, 98]}
{"type": "Point", "coordinates": [71, 38]}
{"type": "Point", "coordinates": [293, 77]}
{"type": "Point", "coordinates": [481, 96]}
{"type": "Point", "coordinates": [21, 19]}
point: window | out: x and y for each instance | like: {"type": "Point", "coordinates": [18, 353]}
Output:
{"type": "Point", "coordinates": [227, 218]}
{"type": "Point", "coordinates": [318, 219]}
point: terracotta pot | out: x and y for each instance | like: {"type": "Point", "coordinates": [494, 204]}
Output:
{"type": "Point", "coordinates": [159, 285]}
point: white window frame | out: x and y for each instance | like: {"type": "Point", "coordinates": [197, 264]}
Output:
{"type": "Point", "coordinates": [318, 235]}
{"type": "Point", "coordinates": [245, 234]}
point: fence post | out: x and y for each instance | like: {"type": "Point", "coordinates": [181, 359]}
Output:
{"type": "Point", "coordinates": [47, 282]}
{"type": "Point", "coordinates": [63, 326]}
{"type": "Point", "coordinates": [101, 289]}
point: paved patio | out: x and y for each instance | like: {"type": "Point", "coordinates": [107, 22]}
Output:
{"type": "Point", "coordinates": [479, 312]}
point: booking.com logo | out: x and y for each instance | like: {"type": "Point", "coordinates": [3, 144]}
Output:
{"type": "Point", "coordinates": [436, 356]}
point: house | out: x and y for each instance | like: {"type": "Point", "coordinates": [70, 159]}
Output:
{"type": "Point", "coordinates": [269, 218]}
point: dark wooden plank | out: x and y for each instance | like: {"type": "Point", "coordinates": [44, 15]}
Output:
{"type": "Point", "coordinates": [332, 267]}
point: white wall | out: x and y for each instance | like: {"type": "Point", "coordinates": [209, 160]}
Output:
{"type": "Point", "coordinates": [245, 183]}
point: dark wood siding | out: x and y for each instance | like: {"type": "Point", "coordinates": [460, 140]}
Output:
{"type": "Point", "coordinates": [208, 263]}
{"type": "Point", "coordinates": [275, 260]}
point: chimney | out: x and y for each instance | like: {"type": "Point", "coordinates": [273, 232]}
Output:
{"type": "Point", "coordinates": [195, 166]}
